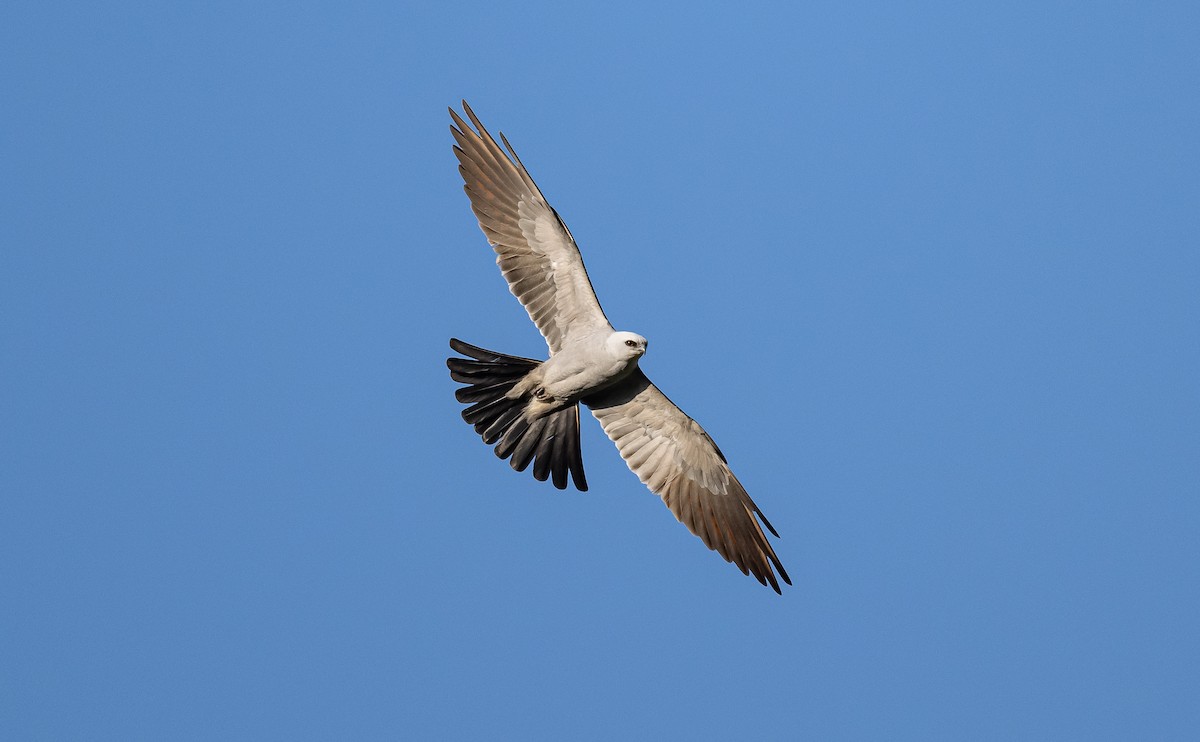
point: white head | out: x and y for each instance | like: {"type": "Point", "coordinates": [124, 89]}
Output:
{"type": "Point", "coordinates": [627, 345]}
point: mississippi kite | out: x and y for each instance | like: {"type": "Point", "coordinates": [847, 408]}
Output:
{"type": "Point", "coordinates": [530, 409]}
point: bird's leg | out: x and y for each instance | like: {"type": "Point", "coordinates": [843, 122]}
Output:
{"type": "Point", "coordinates": [531, 384]}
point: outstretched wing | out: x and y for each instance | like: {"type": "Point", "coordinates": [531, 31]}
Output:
{"type": "Point", "coordinates": [534, 249]}
{"type": "Point", "coordinates": [676, 459]}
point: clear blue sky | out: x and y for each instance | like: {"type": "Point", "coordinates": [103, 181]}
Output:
{"type": "Point", "coordinates": [930, 275]}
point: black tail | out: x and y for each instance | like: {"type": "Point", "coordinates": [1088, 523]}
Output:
{"type": "Point", "coordinates": [551, 442]}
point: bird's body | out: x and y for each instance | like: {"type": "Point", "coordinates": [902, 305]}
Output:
{"type": "Point", "coordinates": [530, 410]}
{"type": "Point", "coordinates": [587, 365]}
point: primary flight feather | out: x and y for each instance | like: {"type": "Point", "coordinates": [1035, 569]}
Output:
{"type": "Point", "coordinates": [529, 409]}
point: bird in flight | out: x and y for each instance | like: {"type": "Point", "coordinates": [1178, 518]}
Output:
{"type": "Point", "coordinates": [529, 409]}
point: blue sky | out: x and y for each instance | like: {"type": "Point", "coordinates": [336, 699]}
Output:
{"type": "Point", "coordinates": [928, 274]}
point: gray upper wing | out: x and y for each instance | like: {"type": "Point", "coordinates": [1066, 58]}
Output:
{"type": "Point", "coordinates": [534, 249]}
{"type": "Point", "coordinates": [676, 459]}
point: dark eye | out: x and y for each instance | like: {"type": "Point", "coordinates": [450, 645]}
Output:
{"type": "Point", "coordinates": [631, 343]}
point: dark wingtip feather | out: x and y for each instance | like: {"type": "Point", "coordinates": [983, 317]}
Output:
{"type": "Point", "coordinates": [766, 523]}
{"type": "Point", "coordinates": [782, 572]}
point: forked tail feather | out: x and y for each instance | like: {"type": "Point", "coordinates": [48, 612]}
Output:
{"type": "Point", "coordinates": [550, 442]}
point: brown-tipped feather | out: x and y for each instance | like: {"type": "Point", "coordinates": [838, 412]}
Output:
{"type": "Point", "coordinates": [679, 462]}
{"type": "Point", "coordinates": [534, 249]}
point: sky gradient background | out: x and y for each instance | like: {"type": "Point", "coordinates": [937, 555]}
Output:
{"type": "Point", "coordinates": [929, 275]}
